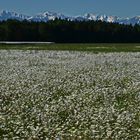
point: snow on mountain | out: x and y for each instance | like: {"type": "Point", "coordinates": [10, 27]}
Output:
{"type": "Point", "coordinates": [100, 17]}
{"type": "Point", "coordinates": [46, 16]}
{"type": "Point", "coordinates": [133, 20]}
{"type": "Point", "coordinates": [5, 15]}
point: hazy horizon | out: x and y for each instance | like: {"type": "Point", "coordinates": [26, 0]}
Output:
{"type": "Point", "coordinates": [116, 8]}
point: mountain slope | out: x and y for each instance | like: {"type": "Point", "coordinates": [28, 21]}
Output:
{"type": "Point", "coordinates": [46, 16]}
{"type": "Point", "coordinates": [5, 15]}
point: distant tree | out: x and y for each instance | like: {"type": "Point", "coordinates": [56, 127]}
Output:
{"type": "Point", "coordinates": [65, 31]}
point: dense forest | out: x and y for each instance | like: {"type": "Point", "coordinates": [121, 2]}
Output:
{"type": "Point", "coordinates": [64, 31]}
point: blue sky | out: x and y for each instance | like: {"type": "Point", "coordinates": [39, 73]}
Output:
{"type": "Point", "coordinates": [122, 8]}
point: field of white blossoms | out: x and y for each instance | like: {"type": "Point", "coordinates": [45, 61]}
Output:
{"type": "Point", "coordinates": [69, 95]}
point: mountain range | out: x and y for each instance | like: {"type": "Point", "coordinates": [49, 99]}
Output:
{"type": "Point", "coordinates": [46, 16]}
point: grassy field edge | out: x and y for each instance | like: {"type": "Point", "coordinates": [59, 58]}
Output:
{"type": "Point", "coordinates": [101, 47]}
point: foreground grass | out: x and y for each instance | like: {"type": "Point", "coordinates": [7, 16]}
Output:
{"type": "Point", "coordinates": [78, 47]}
{"type": "Point", "coordinates": [62, 95]}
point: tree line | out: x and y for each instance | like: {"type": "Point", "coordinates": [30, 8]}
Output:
{"type": "Point", "coordinates": [64, 31]}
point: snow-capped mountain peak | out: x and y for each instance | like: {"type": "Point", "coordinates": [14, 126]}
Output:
{"type": "Point", "coordinates": [46, 16]}
{"type": "Point", "coordinates": [90, 16]}
{"type": "Point", "coordinates": [5, 15]}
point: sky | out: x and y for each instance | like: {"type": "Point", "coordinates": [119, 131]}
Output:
{"type": "Point", "coordinates": [123, 8]}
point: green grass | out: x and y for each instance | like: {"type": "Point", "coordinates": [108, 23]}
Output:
{"type": "Point", "coordinates": [78, 47]}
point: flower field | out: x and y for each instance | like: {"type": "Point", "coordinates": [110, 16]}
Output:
{"type": "Point", "coordinates": [69, 95]}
